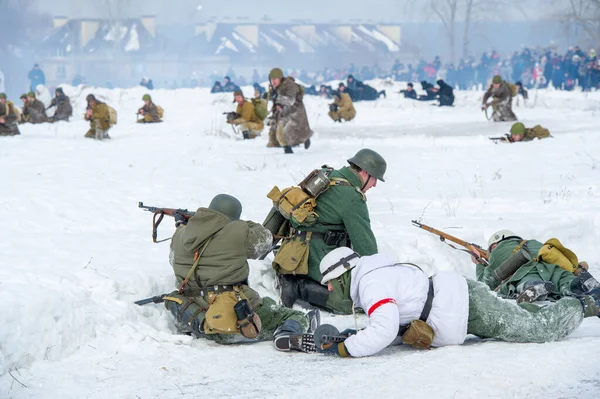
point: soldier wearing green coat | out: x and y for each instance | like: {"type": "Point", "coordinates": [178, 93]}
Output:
{"type": "Point", "coordinates": [533, 280]}
{"type": "Point", "coordinates": [518, 132]}
{"type": "Point", "coordinates": [343, 220]}
{"type": "Point", "coordinates": [209, 256]}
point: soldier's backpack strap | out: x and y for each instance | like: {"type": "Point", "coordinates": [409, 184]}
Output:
{"type": "Point", "coordinates": [522, 244]}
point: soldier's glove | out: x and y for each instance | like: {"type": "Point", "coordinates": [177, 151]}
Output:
{"type": "Point", "coordinates": [348, 332]}
{"type": "Point", "coordinates": [334, 349]}
{"type": "Point", "coordinates": [179, 219]}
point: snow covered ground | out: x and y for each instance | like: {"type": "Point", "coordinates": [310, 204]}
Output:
{"type": "Point", "coordinates": [75, 251]}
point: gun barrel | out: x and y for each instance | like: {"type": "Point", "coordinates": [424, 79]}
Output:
{"type": "Point", "coordinates": [447, 237]}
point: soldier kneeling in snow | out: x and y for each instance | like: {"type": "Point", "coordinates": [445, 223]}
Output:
{"type": "Point", "coordinates": [209, 255]}
{"type": "Point", "coordinates": [441, 310]}
{"type": "Point", "coordinates": [150, 112]}
{"type": "Point", "coordinates": [98, 113]}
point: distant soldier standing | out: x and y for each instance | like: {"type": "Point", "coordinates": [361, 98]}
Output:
{"type": "Point", "coordinates": [289, 124]}
{"type": "Point", "coordinates": [8, 117]}
{"type": "Point", "coordinates": [98, 115]}
{"type": "Point", "coordinates": [501, 103]}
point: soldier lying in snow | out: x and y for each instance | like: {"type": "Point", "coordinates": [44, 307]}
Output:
{"type": "Point", "coordinates": [438, 311]}
{"type": "Point", "coordinates": [529, 270]}
{"type": "Point", "coordinates": [518, 132]}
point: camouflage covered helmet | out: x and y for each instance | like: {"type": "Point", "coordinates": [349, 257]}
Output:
{"type": "Point", "coordinates": [371, 162]}
{"type": "Point", "coordinates": [31, 94]}
{"type": "Point", "coordinates": [146, 97]}
{"type": "Point", "coordinates": [497, 79]}
{"type": "Point", "coordinates": [3, 96]}
{"type": "Point", "coordinates": [227, 205]}
{"type": "Point", "coordinates": [517, 129]}
{"type": "Point", "coordinates": [276, 73]}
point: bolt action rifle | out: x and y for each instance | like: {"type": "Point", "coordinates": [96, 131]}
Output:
{"type": "Point", "coordinates": [505, 139]}
{"type": "Point", "coordinates": [483, 257]}
{"type": "Point", "coordinates": [159, 214]}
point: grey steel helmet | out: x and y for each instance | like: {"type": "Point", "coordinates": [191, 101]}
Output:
{"type": "Point", "coordinates": [227, 205]}
{"type": "Point", "coordinates": [371, 162]}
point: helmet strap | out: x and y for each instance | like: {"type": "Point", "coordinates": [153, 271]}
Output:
{"type": "Point", "coordinates": [366, 182]}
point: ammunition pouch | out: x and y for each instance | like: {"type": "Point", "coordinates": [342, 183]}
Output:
{"type": "Point", "coordinates": [511, 265]}
{"type": "Point", "coordinates": [418, 333]}
{"type": "Point", "coordinates": [557, 254]}
{"type": "Point", "coordinates": [292, 257]}
{"type": "Point", "coordinates": [221, 316]}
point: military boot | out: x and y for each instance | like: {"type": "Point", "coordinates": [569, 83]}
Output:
{"type": "Point", "coordinates": [584, 282]}
{"type": "Point", "coordinates": [289, 336]}
{"type": "Point", "coordinates": [288, 150]}
{"type": "Point", "coordinates": [591, 303]}
{"type": "Point", "coordinates": [246, 135]}
{"type": "Point", "coordinates": [307, 144]}
{"type": "Point", "coordinates": [535, 291]}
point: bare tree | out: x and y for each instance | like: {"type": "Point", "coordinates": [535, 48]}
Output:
{"type": "Point", "coordinates": [584, 13]}
{"type": "Point", "coordinates": [447, 10]}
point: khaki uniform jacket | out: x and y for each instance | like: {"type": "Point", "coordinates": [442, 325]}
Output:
{"type": "Point", "coordinates": [246, 113]}
{"type": "Point", "coordinates": [100, 114]}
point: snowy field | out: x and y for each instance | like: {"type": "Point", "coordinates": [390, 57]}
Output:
{"type": "Point", "coordinates": [75, 251]}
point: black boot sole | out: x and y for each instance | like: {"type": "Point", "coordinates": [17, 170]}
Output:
{"type": "Point", "coordinates": [297, 342]}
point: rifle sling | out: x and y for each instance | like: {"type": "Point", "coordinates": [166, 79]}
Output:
{"type": "Point", "coordinates": [473, 254]}
{"type": "Point", "coordinates": [194, 266]}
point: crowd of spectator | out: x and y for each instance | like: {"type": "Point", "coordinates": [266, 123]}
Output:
{"type": "Point", "coordinates": [534, 67]}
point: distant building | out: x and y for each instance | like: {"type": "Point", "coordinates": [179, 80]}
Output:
{"type": "Point", "coordinates": [121, 51]}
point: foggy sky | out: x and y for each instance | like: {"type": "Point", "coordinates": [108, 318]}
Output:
{"type": "Point", "coordinates": [186, 11]}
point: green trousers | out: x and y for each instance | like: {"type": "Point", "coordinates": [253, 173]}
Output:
{"type": "Point", "coordinates": [494, 317]}
{"type": "Point", "coordinates": [271, 316]}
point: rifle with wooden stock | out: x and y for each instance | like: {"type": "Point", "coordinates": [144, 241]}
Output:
{"type": "Point", "coordinates": [483, 257]}
{"type": "Point", "coordinates": [159, 214]}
